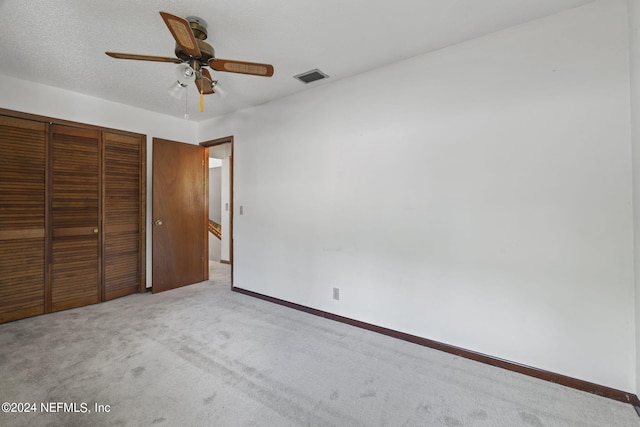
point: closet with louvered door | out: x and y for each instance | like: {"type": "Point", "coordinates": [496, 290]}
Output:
{"type": "Point", "coordinates": [22, 217]}
{"type": "Point", "coordinates": [72, 215]}
{"type": "Point", "coordinates": [75, 217]}
{"type": "Point", "coordinates": [123, 219]}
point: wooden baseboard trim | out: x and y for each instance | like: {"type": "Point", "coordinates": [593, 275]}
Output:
{"type": "Point", "coordinates": [564, 380]}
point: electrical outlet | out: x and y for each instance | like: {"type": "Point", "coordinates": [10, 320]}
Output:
{"type": "Point", "coordinates": [336, 293]}
{"type": "Point", "coordinates": [241, 210]}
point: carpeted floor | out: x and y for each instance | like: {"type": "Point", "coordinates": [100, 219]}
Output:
{"type": "Point", "coordinates": [205, 356]}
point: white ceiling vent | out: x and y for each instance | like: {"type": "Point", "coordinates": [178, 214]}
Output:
{"type": "Point", "coordinates": [311, 76]}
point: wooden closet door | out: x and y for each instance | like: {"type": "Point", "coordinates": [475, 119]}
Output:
{"type": "Point", "coordinates": [22, 218]}
{"type": "Point", "coordinates": [75, 217]}
{"type": "Point", "coordinates": [123, 247]}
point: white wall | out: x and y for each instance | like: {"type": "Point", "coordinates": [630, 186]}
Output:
{"type": "Point", "coordinates": [225, 213]}
{"type": "Point", "coordinates": [634, 67]}
{"type": "Point", "coordinates": [507, 223]}
{"type": "Point", "coordinates": [215, 195]}
{"type": "Point", "coordinates": [34, 98]}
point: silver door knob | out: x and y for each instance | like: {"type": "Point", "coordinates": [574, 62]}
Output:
{"type": "Point", "coordinates": [157, 222]}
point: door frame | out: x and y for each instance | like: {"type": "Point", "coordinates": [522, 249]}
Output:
{"type": "Point", "coordinates": [214, 143]}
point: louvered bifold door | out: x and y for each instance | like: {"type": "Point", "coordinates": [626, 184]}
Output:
{"type": "Point", "coordinates": [75, 217]}
{"type": "Point", "coordinates": [22, 217]}
{"type": "Point", "coordinates": [123, 219]}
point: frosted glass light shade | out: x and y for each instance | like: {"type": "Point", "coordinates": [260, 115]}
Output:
{"type": "Point", "coordinates": [218, 89]}
{"type": "Point", "coordinates": [185, 75]}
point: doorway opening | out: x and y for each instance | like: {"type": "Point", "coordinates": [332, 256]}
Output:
{"type": "Point", "coordinates": [220, 235]}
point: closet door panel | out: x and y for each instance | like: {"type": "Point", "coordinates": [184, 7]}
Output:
{"type": "Point", "coordinates": [75, 217]}
{"type": "Point", "coordinates": [22, 218]}
{"type": "Point", "coordinates": [123, 246]}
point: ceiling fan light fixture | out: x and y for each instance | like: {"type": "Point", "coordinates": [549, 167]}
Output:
{"type": "Point", "coordinates": [218, 89]}
{"type": "Point", "coordinates": [185, 75]}
{"type": "Point", "coordinates": [192, 55]}
{"type": "Point", "coordinates": [177, 90]}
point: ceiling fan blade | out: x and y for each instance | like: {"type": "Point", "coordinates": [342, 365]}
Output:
{"type": "Point", "coordinates": [204, 84]}
{"type": "Point", "coordinates": [143, 57]}
{"type": "Point", "coordinates": [182, 33]}
{"type": "Point", "coordinates": [241, 67]}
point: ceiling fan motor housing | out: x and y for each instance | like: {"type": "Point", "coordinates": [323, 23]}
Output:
{"type": "Point", "coordinates": [198, 26]}
{"type": "Point", "coordinates": [199, 29]}
{"type": "Point", "coordinates": [206, 51]}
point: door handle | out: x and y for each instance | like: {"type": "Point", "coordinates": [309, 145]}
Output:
{"type": "Point", "coordinates": [157, 222]}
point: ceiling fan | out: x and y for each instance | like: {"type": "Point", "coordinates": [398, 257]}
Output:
{"type": "Point", "coordinates": [193, 53]}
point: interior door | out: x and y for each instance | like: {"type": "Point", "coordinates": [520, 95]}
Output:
{"type": "Point", "coordinates": [180, 200]}
{"type": "Point", "coordinates": [75, 217]}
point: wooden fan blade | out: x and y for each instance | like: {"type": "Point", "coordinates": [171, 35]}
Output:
{"type": "Point", "coordinates": [204, 84]}
{"type": "Point", "coordinates": [143, 57]}
{"type": "Point", "coordinates": [182, 33]}
{"type": "Point", "coordinates": [241, 67]}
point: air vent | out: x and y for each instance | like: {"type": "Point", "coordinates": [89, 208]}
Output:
{"type": "Point", "coordinates": [311, 76]}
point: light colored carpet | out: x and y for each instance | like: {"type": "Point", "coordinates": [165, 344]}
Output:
{"type": "Point", "coordinates": [205, 356]}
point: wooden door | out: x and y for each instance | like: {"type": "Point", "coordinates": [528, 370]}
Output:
{"type": "Point", "coordinates": [75, 217]}
{"type": "Point", "coordinates": [123, 245]}
{"type": "Point", "coordinates": [22, 217]}
{"type": "Point", "coordinates": [180, 211]}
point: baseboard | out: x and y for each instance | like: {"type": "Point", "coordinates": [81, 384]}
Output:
{"type": "Point", "coordinates": [224, 261]}
{"type": "Point", "coordinates": [564, 380]}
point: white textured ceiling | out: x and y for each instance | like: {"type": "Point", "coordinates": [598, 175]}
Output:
{"type": "Point", "coordinates": [61, 43]}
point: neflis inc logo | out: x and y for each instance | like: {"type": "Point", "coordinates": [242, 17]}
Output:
{"type": "Point", "coordinates": [55, 407]}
